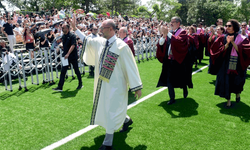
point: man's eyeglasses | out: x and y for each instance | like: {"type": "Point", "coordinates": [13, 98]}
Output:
{"type": "Point", "coordinates": [228, 25]}
{"type": "Point", "coordinates": [243, 25]}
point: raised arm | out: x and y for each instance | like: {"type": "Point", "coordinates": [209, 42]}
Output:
{"type": "Point", "coordinates": [80, 34]}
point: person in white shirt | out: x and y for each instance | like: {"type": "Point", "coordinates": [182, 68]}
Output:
{"type": "Point", "coordinates": [243, 30]}
{"type": "Point", "coordinates": [4, 20]}
{"type": "Point", "coordinates": [18, 29]}
{"type": "Point", "coordinates": [62, 11]}
{"type": "Point", "coordinates": [18, 33]}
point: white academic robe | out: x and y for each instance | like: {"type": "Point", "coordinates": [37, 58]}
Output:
{"type": "Point", "coordinates": [110, 106]}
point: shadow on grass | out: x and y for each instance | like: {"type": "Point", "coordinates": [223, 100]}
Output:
{"type": "Point", "coordinates": [118, 142]}
{"type": "Point", "coordinates": [194, 69]}
{"type": "Point", "coordinates": [205, 59]}
{"type": "Point", "coordinates": [240, 110]}
{"type": "Point", "coordinates": [91, 77]}
{"type": "Point", "coordinates": [7, 94]}
{"type": "Point", "coordinates": [202, 64]}
{"type": "Point", "coordinates": [16, 92]}
{"type": "Point", "coordinates": [186, 107]}
{"type": "Point", "coordinates": [213, 82]}
{"type": "Point", "coordinates": [34, 87]}
{"type": "Point", "coordinates": [67, 93]}
{"type": "Point", "coordinates": [247, 76]}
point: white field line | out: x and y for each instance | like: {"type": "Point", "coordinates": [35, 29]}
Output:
{"type": "Point", "coordinates": [90, 127]}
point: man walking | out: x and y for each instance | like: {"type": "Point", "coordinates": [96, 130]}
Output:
{"type": "Point", "coordinates": [176, 70]}
{"type": "Point", "coordinates": [70, 55]}
{"type": "Point", "coordinates": [113, 75]}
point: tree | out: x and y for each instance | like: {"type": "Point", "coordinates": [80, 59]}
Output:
{"type": "Point", "coordinates": [155, 7]}
{"type": "Point", "coordinates": [185, 6]}
{"type": "Point", "coordinates": [244, 10]}
{"type": "Point", "coordinates": [209, 11]}
{"type": "Point", "coordinates": [122, 6]}
{"type": "Point", "coordinates": [164, 9]}
{"type": "Point", "coordinates": [172, 9]}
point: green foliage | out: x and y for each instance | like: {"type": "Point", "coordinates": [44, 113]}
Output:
{"type": "Point", "coordinates": [142, 8]}
{"type": "Point", "coordinates": [163, 9]}
{"type": "Point", "coordinates": [168, 9]}
{"type": "Point", "coordinates": [144, 11]}
{"type": "Point", "coordinates": [209, 11]}
{"type": "Point", "coordinates": [156, 8]}
{"type": "Point", "coordinates": [244, 10]}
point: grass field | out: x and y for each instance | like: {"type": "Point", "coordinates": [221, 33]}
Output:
{"type": "Point", "coordinates": [35, 119]}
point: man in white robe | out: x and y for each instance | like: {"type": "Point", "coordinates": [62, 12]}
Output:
{"type": "Point", "coordinates": [115, 70]}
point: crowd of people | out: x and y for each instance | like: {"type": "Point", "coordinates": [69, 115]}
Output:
{"type": "Point", "coordinates": [16, 27]}
{"type": "Point", "coordinates": [179, 49]}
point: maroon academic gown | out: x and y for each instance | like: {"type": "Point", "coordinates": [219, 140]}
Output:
{"type": "Point", "coordinates": [193, 45]}
{"type": "Point", "coordinates": [227, 83]}
{"type": "Point", "coordinates": [217, 50]}
{"type": "Point", "coordinates": [130, 44]}
{"type": "Point", "coordinates": [249, 36]}
{"type": "Point", "coordinates": [210, 43]}
{"type": "Point", "coordinates": [176, 70]}
{"type": "Point", "coordinates": [212, 69]}
{"type": "Point", "coordinates": [202, 43]}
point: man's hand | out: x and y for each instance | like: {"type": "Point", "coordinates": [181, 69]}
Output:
{"type": "Point", "coordinates": [66, 56]}
{"type": "Point", "coordinates": [164, 30]}
{"type": "Point", "coordinates": [138, 94]}
{"type": "Point", "coordinates": [212, 31]}
{"type": "Point", "coordinates": [73, 22]}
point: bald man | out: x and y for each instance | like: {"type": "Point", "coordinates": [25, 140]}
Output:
{"type": "Point", "coordinates": [113, 75]}
{"type": "Point", "coordinates": [123, 34]}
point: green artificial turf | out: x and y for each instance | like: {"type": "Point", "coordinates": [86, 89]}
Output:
{"type": "Point", "coordinates": [35, 119]}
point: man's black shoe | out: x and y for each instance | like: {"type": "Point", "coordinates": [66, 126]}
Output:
{"type": "Point", "coordinates": [79, 87]}
{"type": "Point", "coordinates": [57, 89]}
{"type": "Point", "coordinates": [104, 147]}
{"type": "Point", "coordinates": [172, 101]}
{"type": "Point", "coordinates": [125, 125]}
